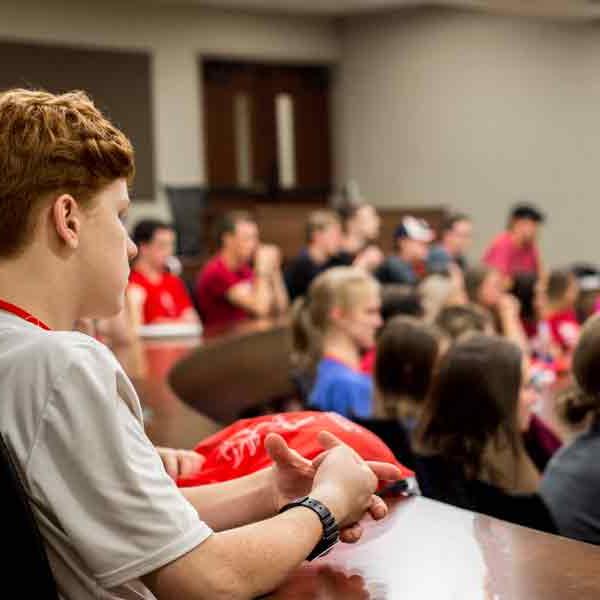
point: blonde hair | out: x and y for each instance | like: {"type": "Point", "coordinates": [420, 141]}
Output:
{"type": "Point", "coordinates": [340, 287]}
{"type": "Point", "coordinates": [436, 291]}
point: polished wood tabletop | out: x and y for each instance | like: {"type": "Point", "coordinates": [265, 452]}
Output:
{"type": "Point", "coordinates": [426, 550]}
{"type": "Point", "coordinates": [214, 376]}
{"type": "Point", "coordinates": [236, 370]}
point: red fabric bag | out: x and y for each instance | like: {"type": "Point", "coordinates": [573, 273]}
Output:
{"type": "Point", "coordinates": [239, 450]}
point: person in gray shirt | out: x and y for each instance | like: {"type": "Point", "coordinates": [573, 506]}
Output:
{"type": "Point", "coordinates": [571, 485]}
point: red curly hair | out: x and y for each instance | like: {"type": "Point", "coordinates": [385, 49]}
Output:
{"type": "Point", "coordinates": [49, 145]}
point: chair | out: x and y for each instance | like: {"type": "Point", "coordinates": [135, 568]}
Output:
{"type": "Point", "coordinates": [26, 569]}
{"type": "Point", "coordinates": [187, 204]}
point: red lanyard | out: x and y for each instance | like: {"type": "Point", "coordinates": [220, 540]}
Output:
{"type": "Point", "coordinates": [19, 312]}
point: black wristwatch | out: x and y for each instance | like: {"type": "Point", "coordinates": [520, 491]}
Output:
{"type": "Point", "coordinates": [331, 531]}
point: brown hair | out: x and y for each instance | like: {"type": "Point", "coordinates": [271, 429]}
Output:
{"type": "Point", "coordinates": [318, 220]}
{"type": "Point", "coordinates": [339, 286]}
{"type": "Point", "coordinates": [348, 210]}
{"type": "Point", "coordinates": [399, 299]}
{"type": "Point", "coordinates": [407, 350]}
{"type": "Point", "coordinates": [558, 284]}
{"type": "Point", "coordinates": [229, 221]}
{"type": "Point", "coordinates": [586, 370]}
{"type": "Point", "coordinates": [573, 404]}
{"type": "Point", "coordinates": [474, 396]}
{"type": "Point", "coordinates": [52, 144]}
{"type": "Point", "coordinates": [458, 320]}
{"type": "Point", "coordinates": [451, 220]}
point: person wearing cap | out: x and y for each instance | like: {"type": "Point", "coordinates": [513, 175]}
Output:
{"type": "Point", "coordinates": [411, 238]}
{"type": "Point", "coordinates": [456, 238]}
{"type": "Point", "coordinates": [515, 250]}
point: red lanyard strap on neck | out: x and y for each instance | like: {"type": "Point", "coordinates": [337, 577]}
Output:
{"type": "Point", "coordinates": [23, 314]}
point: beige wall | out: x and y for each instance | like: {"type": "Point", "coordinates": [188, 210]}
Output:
{"type": "Point", "coordinates": [475, 111]}
{"type": "Point", "coordinates": [176, 37]}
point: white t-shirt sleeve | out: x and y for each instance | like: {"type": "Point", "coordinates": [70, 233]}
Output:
{"type": "Point", "coordinates": [93, 465]}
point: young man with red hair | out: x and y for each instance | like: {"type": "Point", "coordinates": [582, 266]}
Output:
{"type": "Point", "coordinates": [113, 522]}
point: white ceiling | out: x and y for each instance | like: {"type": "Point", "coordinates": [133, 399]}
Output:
{"type": "Point", "coordinates": [585, 9]}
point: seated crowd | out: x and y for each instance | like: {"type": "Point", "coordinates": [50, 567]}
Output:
{"type": "Point", "coordinates": [416, 360]}
{"type": "Point", "coordinates": [444, 361]}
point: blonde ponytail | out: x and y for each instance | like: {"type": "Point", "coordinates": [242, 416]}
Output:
{"type": "Point", "coordinates": [339, 286]}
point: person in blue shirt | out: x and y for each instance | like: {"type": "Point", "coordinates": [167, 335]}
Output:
{"type": "Point", "coordinates": [332, 325]}
{"type": "Point", "coordinates": [341, 388]}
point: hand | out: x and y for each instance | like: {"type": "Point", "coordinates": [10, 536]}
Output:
{"type": "Point", "coordinates": [509, 307]}
{"type": "Point", "coordinates": [293, 476]}
{"type": "Point", "coordinates": [267, 259]}
{"type": "Point", "coordinates": [275, 256]}
{"type": "Point", "coordinates": [369, 259]}
{"type": "Point", "coordinates": [180, 463]}
{"type": "Point", "coordinates": [348, 483]}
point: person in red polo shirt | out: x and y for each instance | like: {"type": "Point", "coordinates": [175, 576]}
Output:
{"type": "Point", "coordinates": [156, 295]}
{"type": "Point", "coordinates": [244, 279]}
{"type": "Point", "coordinates": [515, 250]}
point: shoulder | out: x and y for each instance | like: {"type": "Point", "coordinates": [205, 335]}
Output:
{"type": "Point", "coordinates": [578, 455]}
{"type": "Point", "coordinates": [212, 275]}
{"type": "Point", "coordinates": [340, 376]}
{"type": "Point", "coordinates": [301, 261]}
{"type": "Point", "coordinates": [502, 240]}
{"type": "Point", "coordinates": [496, 242]}
{"type": "Point", "coordinates": [172, 281]}
{"type": "Point", "coordinates": [214, 266]}
{"type": "Point", "coordinates": [135, 277]}
{"type": "Point", "coordinates": [35, 366]}
{"type": "Point", "coordinates": [396, 268]}
{"type": "Point", "coordinates": [395, 262]}
{"type": "Point", "coordinates": [343, 258]}
{"type": "Point", "coordinates": [437, 251]}
{"type": "Point", "coordinates": [61, 350]}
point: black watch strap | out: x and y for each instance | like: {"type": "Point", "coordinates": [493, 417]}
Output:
{"type": "Point", "coordinates": [331, 532]}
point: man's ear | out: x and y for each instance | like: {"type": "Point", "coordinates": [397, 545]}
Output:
{"type": "Point", "coordinates": [67, 219]}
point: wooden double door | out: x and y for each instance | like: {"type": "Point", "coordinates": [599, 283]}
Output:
{"type": "Point", "coordinates": [268, 133]}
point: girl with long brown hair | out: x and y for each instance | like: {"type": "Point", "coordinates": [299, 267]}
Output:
{"type": "Point", "coordinates": [469, 446]}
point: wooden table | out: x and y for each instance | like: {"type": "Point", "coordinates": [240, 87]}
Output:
{"type": "Point", "coordinates": [426, 550]}
{"type": "Point", "coordinates": [236, 369]}
{"type": "Point", "coordinates": [190, 387]}
{"type": "Point", "coordinates": [168, 421]}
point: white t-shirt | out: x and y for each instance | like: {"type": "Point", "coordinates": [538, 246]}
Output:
{"type": "Point", "coordinates": [107, 509]}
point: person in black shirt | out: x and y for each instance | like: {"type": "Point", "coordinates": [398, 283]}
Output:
{"type": "Point", "coordinates": [361, 226]}
{"type": "Point", "coordinates": [324, 243]}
